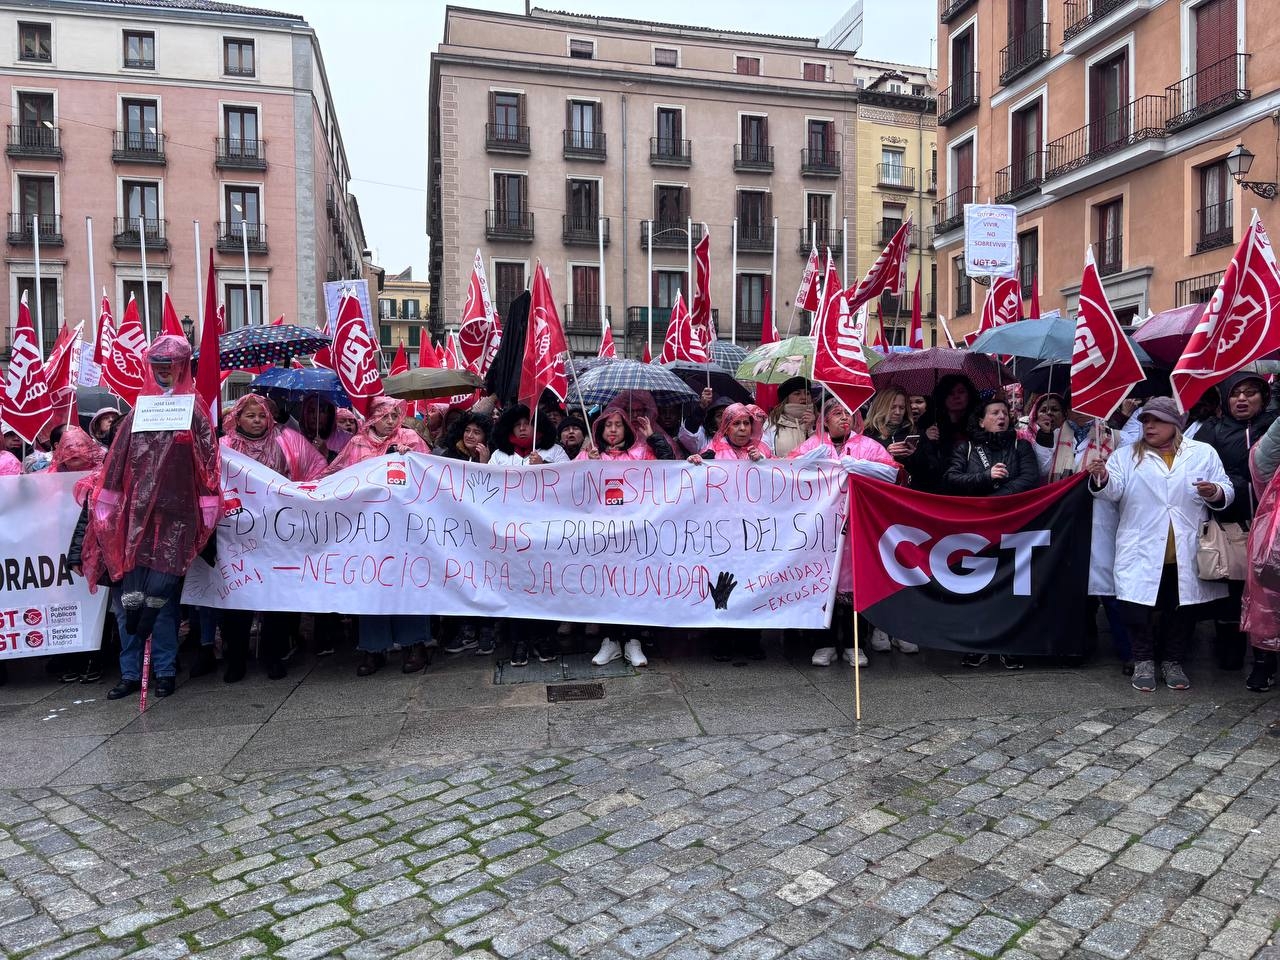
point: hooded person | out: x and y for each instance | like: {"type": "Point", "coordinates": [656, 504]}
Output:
{"type": "Point", "coordinates": [76, 451]}
{"type": "Point", "coordinates": [346, 420]}
{"type": "Point", "coordinates": [514, 442]}
{"type": "Point", "coordinates": [738, 437]}
{"type": "Point", "coordinates": [10, 466]}
{"type": "Point", "coordinates": [640, 403]}
{"type": "Point", "coordinates": [571, 435]}
{"type": "Point", "coordinates": [319, 423]}
{"type": "Point", "coordinates": [618, 437]}
{"type": "Point", "coordinates": [1261, 602]}
{"type": "Point", "coordinates": [154, 504]}
{"type": "Point", "coordinates": [102, 425]}
{"type": "Point", "coordinates": [793, 418]}
{"type": "Point", "coordinates": [382, 433]}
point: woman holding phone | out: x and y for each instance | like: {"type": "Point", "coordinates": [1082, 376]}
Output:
{"type": "Point", "coordinates": [889, 425]}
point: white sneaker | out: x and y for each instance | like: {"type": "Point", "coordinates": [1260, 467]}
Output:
{"type": "Point", "coordinates": [635, 656]}
{"type": "Point", "coordinates": [880, 641]}
{"type": "Point", "coordinates": [848, 657]}
{"type": "Point", "coordinates": [824, 656]}
{"type": "Point", "coordinates": [609, 651]}
{"type": "Point", "coordinates": [906, 646]}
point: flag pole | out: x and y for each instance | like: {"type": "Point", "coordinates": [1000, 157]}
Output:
{"type": "Point", "coordinates": [35, 237]}
{"type": "Point", "coordinates": [649, 287]}
{"type": "Point", "coordinates": [733, 298]}
{"type": "Point", "coordinates": [773, 283]}
{"type": "Point", "coordinates": [248, 290]}
{"type": "Point", "coordinates": [601, 292]}
{"type": "Point", "coordinates": [146, 287]}
{"type": "Point", "coordinates": [199, 286]}
{"type": "Point", "coordinates": [844, 251]}
{"type": "Point", "coordinates": [93, 286]}
{"type": "Point", "coordinates": [857, 672]}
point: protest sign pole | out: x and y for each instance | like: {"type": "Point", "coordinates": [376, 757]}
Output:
{"type": "Point", "coordinates": [853, 594]}
{"type": "Point", "coordinates": [146, 676]}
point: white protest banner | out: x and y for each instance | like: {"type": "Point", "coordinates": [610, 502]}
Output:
{"type": "Point", "coordinates": [726, 544]}
{"type": "Point", "coordinates": [89, 373]}
{"type": "Point", "coordinates": [990, 239]}
{"type": "Point", "coordinates": [153, 414]}
{"type": "Point", "coordinates": [44, 607]}
{"type": "Point", "coordinates": [333, 291]}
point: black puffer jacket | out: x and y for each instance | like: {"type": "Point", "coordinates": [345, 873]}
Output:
{"type": "Point", "coordinates": [969, 472]}
{"type": "Point", "coordinates": [1233, 439]}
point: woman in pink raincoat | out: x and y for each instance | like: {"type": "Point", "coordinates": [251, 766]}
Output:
{"type": "Point", "coordinates": [738, 437]}
{"type": "Point", "coordinates": [1261, 611]}
{"type": "Point", "coordinates": [618, 437]}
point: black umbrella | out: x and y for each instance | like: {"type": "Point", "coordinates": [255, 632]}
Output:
{"type": "Point", "coordinates": [722, 382]}
{"type": "Point", "coordinates": [503, 377]}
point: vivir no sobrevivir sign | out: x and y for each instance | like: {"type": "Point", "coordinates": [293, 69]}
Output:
{"type": "Point", "coordinates": [990, 239]}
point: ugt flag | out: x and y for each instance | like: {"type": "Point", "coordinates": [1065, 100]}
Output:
{"type": "Point", "coordinates": [973, 574]}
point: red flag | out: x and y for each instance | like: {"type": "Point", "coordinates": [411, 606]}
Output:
{"type": "Point", "coordinates": [480, 330]}
{"type": "Point", "coordinates": [1003, 304]}
{"type": "Point", "coordinates": [452, 360]}
{"type": "Point", "coordinates": [400, 363]}
{"type": "Point", "coordinates": [544, 345]}
{"type": "Point", "coordinates": [59, 374]}
{"type": "Point", "coordinates": [831, 292]}
{"type": "Point", "coordinates": [1034, 313]}
{"type": "Point", "coordinates": [26, 405]}
{"type": "Point", "coordinates": [767, 393]}
{"type": "Point", "coordinates": [916, 339]}
{"type": "Point", "coordinates": [607, 350]}
{"type": "Point", "coordinates": [209, 376]}
{"type": "Point", "coordinates": [105, 333]}
{"type": "Point", "coordinates": [838, 361]}
{"type": "Point", "coordinates": [427, 354]}
{"type": "Point", "coordinates": [440, 356]}
{"type": "Point", "coordinates": [807, 295]}
{"type": "Point", "coordinates": [356, 355]}
{"type": "Point", "coordinates": [122, 373]}
{"type": "Point", "coordinates": [646, 356]}
{"type": "Point", "coordinates": [682, 341]}
{"type": "Point", "coordinates": [1241, 324]}
{"type": "Point", "coordinates": [700, 312]}
{"type": "Point", "coordinates": [1104, 367]}
{"type": "Point", "coordinates": [169, 324]}
{"type": "Point", "coordinates": [888, 274]}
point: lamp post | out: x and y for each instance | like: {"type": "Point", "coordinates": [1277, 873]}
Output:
{"type": "Point", "coordinates": [1239, 162]}
{"type": "Point", "coordinates": [188, 329]}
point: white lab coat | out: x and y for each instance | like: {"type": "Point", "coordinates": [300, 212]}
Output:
{"type": "Point", "coordinates": [1152, 496]}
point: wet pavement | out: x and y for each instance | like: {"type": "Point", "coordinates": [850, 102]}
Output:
{"type": "Point", "coordinates": [696, 810]}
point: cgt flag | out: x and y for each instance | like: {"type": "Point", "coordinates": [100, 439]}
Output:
{"type": "Point", "coordinates": [1104, 367]}
{"type": "Point", "coordinates": [974, 574]}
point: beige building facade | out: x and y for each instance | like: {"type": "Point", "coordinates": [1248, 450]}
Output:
{"type": "Point", "coordinates": [1108, 123]}
{"type": "Point", "coordinates": [554, 135]}
{"type": "Point", "coordinates": [403, 303]}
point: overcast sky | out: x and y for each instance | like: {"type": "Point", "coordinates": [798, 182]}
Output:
{"type": "Point", "coordinates": [376, 54]}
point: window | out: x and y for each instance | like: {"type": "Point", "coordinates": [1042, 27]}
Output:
{"type": "Point", "coordinates": [50, 317]}
{"type": "Point", "coordinates": [666, 283]}
{"type": "Point", "coordinates": [237, 57]}
{"type": "Point", "coordinates": [508, 283]}
{"type": "Point", "coordinates": [670, 207]}
{"type": "Point", "coordinates": [1110, 242]}
{"type": "Point", "coordinates": [892, 170]}
{"type": "Point", "coordinates": [666, 57]}
{"type": "Point", "coordinates": [1216, 70]}
{"type": "Point", "coordinates": [140, 198]}
{"type": "Point", "coordinates": [582, 205]}
{"type": "Point", "coordinates": [860, 83]}
{"type": "Point", "coordinates": [509, 198]}
{"type": "Point", "coordinates": [36, 197]}
{"type": "Point", "coordinates": [755, 139]}
{"type": "Point", "coordinates": [506, 114]}
{"type": "Point", "coordinates": [1026, 126]}
{"type": "Point", "coordinates": [1215, 208]}
{"type": "Point", "coordinates": [892, 217]}
{"type": "Point", "coordinates": [582, 49]}
{"type": "Point", "coordinates": [236, 316]}
{"type": "Point", "coordinates": [36, 128]}
{"type": "Point", "coordinates": [409, 310]}
{"type": "Point", "coordinates": [35, 42]}
{"type": "Point", "coordinates": [963, 291]}
{"type": "Point", "coordinates": [820, 138]}
{"type": "Point", "coordinates": [243, 206]}
{"type": "Point", "coordinates": [153, 300]}
{"type": "Point", "coordinates": [242, 131]}
{"type": "Point", "coordinates": [748, 66]}
{"type": "Point", "coordinates": [586, 293]}
{"type": "Point", "coordinates": [141, 122]}
{"type": "Point", "coordinates": [584, 125]}
{"type": "Point", "coordinates": [755, 215]}
{"type": "Point", "coordinates": [917, 89]}
{"type": "Point", "coordinates": [670, 131]}
{"type": "Point", "coordinates": [815, 71]}
{"type": "Point", "coordinates": [415, 334]}
{"type": "Point", "coordinates": [817, 208]}
{"type": "Point", "coordinates": [1028, 261]}
{"type": "Point", "coordinates": [139, 50]}
{"type": "Point", "coordinates": [386, 308]}
{"type": "Point", "coordinates": [962, 67]}
{"type": "Point", "coordinates": [384, 335]}
{"type": "Point", "coordinates": [752, 293]}
{"type": "Point", "coordinates": [1108, 95]}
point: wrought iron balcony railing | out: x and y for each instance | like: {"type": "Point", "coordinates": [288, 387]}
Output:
{"type": "Point", "coordinates": [127, 234]}
{"type": "Point", "coordinates": [34, 140]}
{"type": "Point", "coordinates": [669, 234]}
{"type": "Point", "coordinates": [948, 213]}
{"type": "Point", "coordinates": [1207, 92]}
{"type": "Point", "coordinates": [506, 138]}
{"type": "Point", "coordinates": [755, 238]}
{"type": "Point", "coordinates": [752, 157]}
{"type": "Point", "coordinates": [895, 176]}
{"type": "Point", "coordinates": [819, 162]}
{"type": "Point", "coordinates": [959, 98]}
{"type": "Point", "coordinates": [236, 153]}
{"type": "Point", "coordinates": [137, 146]}
{"type": "Point", "coordinates": [825, 238]}
{"type": "Point", "coordinates": [1021, 178]}
{"type": "Point", "coordinates": [1139, 120]}
{"type": "Point", "coordinates": [584, 145]}
{"type": "Point", "coordinates": [584, 231]}
{"type": "Point", "coordinates": [23, 229]}
{"type": "Point", "coordinates": [1024, 52]}
{"type": "Point", "coordinates": [232, 236]}
{"type": "Point", "coordinates": [670, 152]}
{"type": "Point", "coordinates": [508, 224]}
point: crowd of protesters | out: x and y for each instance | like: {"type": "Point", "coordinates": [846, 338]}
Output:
{"type": "Point", "coordinates": [150, 501]}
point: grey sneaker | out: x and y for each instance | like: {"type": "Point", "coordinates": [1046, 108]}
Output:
{"type": "Point", "coordinates": [1175, 678]}
{"type": "Point", "coordinates": [1144, 676]}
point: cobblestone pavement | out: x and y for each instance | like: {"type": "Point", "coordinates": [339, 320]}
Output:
{"type": "Point", "coordinates": [1148, 830]}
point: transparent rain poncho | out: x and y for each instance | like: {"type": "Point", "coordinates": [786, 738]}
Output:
{"type": "Point", "coordinates": [1261, 613]}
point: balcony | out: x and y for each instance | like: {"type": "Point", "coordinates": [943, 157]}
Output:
{"type": "Point", "coordinates": [755, 237]}
{"type": "Point", "coordinates": [506, 138]}
{"type": "Point", "coordinates": [506, 224]}
{"type": "Point", "coordinates": [1142, 121]}
{"type": "Point", "coordinates": [1024, 52]}
{"type": "Point", "coordinates": [669, 235]}
{"type": "Point", "coordinates": [825, 238]}
{"type": "Point", "coordinates": [136, 146]}
{"type": "Point", "coordinates": [1087, 22]}
{"type": "Point", "coordinates": [584, 317]}
{"type": "Point", "coordinates": [953, 8]}
{"type": "Point", "coordinates": [1214, 227]}
{"type": "Point", "coordinates": [35, 141]}
{"type": "Point", "coordinates": [667, 152]}
{"type": "Point", "coordinates": [753, 158]}
{"type": "Point", "coordinates": [233, 236]}
{"type": "Point", "coordinates": [583, 231]}
{"type": "Point", "coordinates": [893, 176]}
{"type": "Point", "coordinates": [1196, 289]}
{"type": "Point", "coordinates": [236, 154]}
{"type": "Point", "coordinates": [959, 98]}
{"type": "Point", "coordinates": [638, 323]}
{"type": "Point", "coordinates": [584, 145]}
{"type": "Point", "coordinates": [1021, 179]}
{"type": "Point", "coordinates": [1207, 92]}
{"type": "Point", "coordinates": [22, 230]}
{"type": "Point", "coordinates": [885, 230]}
{"type": "Point", "coordinates": [127, 235]}
{"type": "Point", "coordinates": [749, 323]}
{"type": "Point", "coordinates": [332, 274]}
{"type": "Point", "coordinates": [331, 202]}
{"type": "Point", "coordinates": [932, 185]}
{"type": "Point", "coordinates": [948, 213]}
{"type": "Point", "coordinates": [819, 162]}
{"type": "Point", "coordinates": [1110, 254]}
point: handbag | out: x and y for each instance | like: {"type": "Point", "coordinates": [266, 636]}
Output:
{"type": "Point", "coordinates": [1223, 551]}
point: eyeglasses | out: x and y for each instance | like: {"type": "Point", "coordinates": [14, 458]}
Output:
{"type": "Point", "coordinates": [1248, 392]}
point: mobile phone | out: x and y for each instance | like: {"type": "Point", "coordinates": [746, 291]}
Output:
{"type": "Point", "coordinates": [911, 440]}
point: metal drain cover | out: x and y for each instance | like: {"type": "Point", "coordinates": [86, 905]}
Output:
{"type": "Point", "coordinates": [570, 692]}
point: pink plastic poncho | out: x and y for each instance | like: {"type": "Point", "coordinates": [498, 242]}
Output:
{"type": "Point", "coordinates": [158, 495]}
{"type": "Point", "coordinates": [10, 466]}
{"type": "Point", "coordinates": [639, 449]}
{"type": "Point", "coordinates": [640, 403]}
{"type": "Point", "coordinates": [367, 444]}
{"type": "Point", "coordinates": [77, 451]}
{"type": "Point", "coordinates": [284, 451]}
{"type": "Point", "coordinates": [1260, 616]}
{"type": "Point", "coordinates": [724, 449]}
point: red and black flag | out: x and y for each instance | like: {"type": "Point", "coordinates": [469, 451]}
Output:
{"type": "Point", "coordinates": [974, 574]}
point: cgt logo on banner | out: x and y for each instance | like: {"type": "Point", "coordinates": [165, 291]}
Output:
{"type": "Point", "coordinates": [976, 575]}
{"type": "Point", "coordinates": [44, 607]}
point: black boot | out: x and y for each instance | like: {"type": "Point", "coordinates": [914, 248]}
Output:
{"type": "Point", "coordinates": [123, 689]}
{"type": "Point", "coordinates": [205, 663]}
{"type": "Point", "coordinates": [1263, 672]}
{"type": "Point", "coordinates": [1228, 645]}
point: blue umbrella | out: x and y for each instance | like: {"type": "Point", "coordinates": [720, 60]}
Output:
{"type": "Point", "coordinates": [292, 385]}
{"type": "Point", "coordinates": [1045, 339]}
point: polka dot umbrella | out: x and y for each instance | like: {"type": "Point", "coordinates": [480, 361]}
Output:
{"type": "Point", "coordinates": [262, 345]}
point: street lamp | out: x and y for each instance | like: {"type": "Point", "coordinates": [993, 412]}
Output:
{"type": "Point", "coordinates": [189, 329]}
{"type": "Point", "coordinates": [1239, 162]}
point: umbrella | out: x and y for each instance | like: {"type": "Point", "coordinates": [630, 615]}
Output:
{"type": "Point", "coordinates": [727, 354]}
{"type": "Point", "coordinates": [292, 385]}
{"type": "Point", "coordinates": [428, 383]}
{"type": "Point", "coordinates": [1165, 334]}
{"type": "Point", "coordinates": [1054, 376]}
{"type": "Point", "coordinates": [89, 400]}
{"type": "Point", "coordinates": [778, 362]}
{"type": "Point", "coordinates": [696, 375]}
{"type": "Point", "coordinates": [602, 383]}
{"type": "Point", "coordinates": [261, 346]}
{"type": "Point", "coordinates": [1053, 338]}
{"type": "Point", "coordinates": [919, 371]}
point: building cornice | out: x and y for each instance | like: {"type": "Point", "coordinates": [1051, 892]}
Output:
{"type": "Point", "coordinates": [141, 11]}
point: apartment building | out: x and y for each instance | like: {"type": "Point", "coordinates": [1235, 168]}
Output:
{"type": "Point", "coordinates": [147, 117]}
{"type": "Point", "coordinates": [1146, 128]}
{"type": "Point", "coordinates": [604, 147]}
{"type": "Point", "coordinates": [402, 313]}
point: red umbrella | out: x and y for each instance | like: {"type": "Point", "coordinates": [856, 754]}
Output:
{"type": "Point", "coordinates": [918, 371]}
{"type": "Point", "coordinates": [1165, 334]}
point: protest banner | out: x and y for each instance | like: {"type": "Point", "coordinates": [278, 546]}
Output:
{"type": "Point", "coordinates": [333, 294]}
{"type": "Point", "coordinates": [726, 544]}
{"type": "Point", "coordinates": [974, 574]}
{"type": "Point", "coordinates": [990, 240]}
{"type": "Point", "coordinates": [44, 607]}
